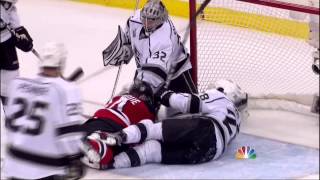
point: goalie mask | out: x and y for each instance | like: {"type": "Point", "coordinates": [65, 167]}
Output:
{"type": "Point", "coordinates": [153, 15]}
{"type": "Point", "coordinates": [144, 92]}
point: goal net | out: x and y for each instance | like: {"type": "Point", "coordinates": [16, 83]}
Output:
{"type": "Point", "coordinates": [262, 46]}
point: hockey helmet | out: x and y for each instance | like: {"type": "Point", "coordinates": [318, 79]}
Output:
{"type": "Point", "coordinates": [7, 4]}
{"type": "Point", "coordinates": [144, 92]}
{"type": "Point", "coordinates": [232, 91]}
{"type": "Point", "coordinates": [10, 1]}
{"type": "Point", "coordinates": [53, 55]}
{"type": "Point", "coordinates": [153, 14]}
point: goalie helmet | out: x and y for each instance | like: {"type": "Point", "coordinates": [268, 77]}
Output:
{"type": "Point", "coordinates": [144, 92]}
{"type": "Point", "coordinates": [153, 14]}
{"type": "Point", "coordinates": [53, 55]}
{"type": "Point", "coordinates": [232, 91]}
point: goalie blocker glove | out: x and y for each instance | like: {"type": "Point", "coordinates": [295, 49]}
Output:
{"type": "Point", "coordinates": [119, 51]}
{"type": "Point", "coordinates": [23, 40]}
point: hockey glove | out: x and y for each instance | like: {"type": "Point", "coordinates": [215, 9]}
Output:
{"type": "Point", "coordinates": [111, 139]}
{"type": "Point", "coordinates": [23, 40]}
{"type": "Point", "coordinates": [163, 95]}
{"type": "Point", "coordinates": [97, 154]}
{"type": "Point", "coordinates": [2, 25]}
{"type": "Point", "coordinates": [119, 51]}
{"type": "Point", "coordinates": [75, 170]}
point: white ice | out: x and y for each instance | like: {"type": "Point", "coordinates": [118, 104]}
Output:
{"type": "Point", "coordinates": [88, 29]}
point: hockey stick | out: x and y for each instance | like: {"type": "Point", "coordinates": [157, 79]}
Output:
{"type": "Point", "coordinates": [120, 67]}
{"type": "Point", "coordinates": [75, 75]}
{"type": "Point", "coordinates": [116, 81]}
{"type": "Point", "coordinates": [172, 65]}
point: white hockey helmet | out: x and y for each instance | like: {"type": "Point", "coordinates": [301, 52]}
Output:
{"type": "Point", "coordinates": [232, 91]}
{"type": "Point", "coordinates": [153, 14]}
{"type": "Point", "coordinates": [53, 55]}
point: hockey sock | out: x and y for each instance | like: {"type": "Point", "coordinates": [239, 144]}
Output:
{"type": "Point", "coordinates": [147, 152]}
{"type": "Point", "coordinates": [142, 131]}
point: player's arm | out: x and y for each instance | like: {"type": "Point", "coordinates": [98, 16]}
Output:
{"type": "Point", "coordinates": [183, 102]}
{"type": "Point", "coordinates": [69, 132]}
{"type": "Point", "coordinates": [23, 40]}
{"type": "Point", "coordinates": [194, 103]}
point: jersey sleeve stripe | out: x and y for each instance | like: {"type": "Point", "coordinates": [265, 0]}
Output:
{"type": "Point", "coordinates": [215, 100]}
{"type": "Point", "coordinates": [221, 132]}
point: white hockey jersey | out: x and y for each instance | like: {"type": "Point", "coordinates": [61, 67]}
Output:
{"type": "Point", "coordinates": [156, 52]}
{"type": "Point", "coordinates": [11, 18]}
{"type": "Point", "coordinates": [43, 127]}
{"type": "Point", "coordinates": [212, 104]}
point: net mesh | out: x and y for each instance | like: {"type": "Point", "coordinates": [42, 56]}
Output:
{"type": "Point", "coordinates": [261, 48]}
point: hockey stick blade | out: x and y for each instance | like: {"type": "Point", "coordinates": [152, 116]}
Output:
{"type": "Point", "coordinates": [77, 74]}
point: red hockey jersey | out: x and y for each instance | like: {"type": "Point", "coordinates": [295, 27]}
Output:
{"type": "Point", "coordinates": [125, 110]}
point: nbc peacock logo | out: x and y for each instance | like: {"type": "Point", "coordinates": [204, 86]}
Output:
{"type": "Point", "coordinates": [246, 152]}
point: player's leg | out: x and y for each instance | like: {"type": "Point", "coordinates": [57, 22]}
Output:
{"type": "Point", "coordinates": [183, 84]}
{"type": "Point", "coordinates": [146, 152]}
{"type": "Point", "coordinates": [92, 125]}
{"type": "Point", "coordinates": [188, 140]}
{"type": "Point", "coordinates": [99, 155]}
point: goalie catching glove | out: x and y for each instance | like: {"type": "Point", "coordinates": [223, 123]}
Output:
{"type": "Point", "coordinates": [119, 51]}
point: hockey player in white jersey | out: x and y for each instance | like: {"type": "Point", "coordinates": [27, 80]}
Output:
{"type": "Point", "coordinates": [44, 116]}
{"type": "Point", "coordinates": [159, 54]}
{"type": "Point", "coordinates": [212, 122]}
{"type": "Point", "coordinates": [21, 39]}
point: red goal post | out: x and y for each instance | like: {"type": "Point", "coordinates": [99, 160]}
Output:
{"type": "Point", "coordinates": [257, 43]}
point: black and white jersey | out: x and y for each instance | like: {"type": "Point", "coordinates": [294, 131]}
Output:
{"type": "Point", "coordinates": [9, 17]}
{"type": "Point", "coordinates": [43, 127]}
{"type": "Point", "coordinates": [155, 52]}
{"type": "Point", "coordinates": [215, 105]}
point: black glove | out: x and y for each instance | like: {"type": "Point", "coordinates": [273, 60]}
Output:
{"type": "Point", "coordinates": [163, 95]}
{"type": "Point", "coordinates": [75, 170]}
{"type": "Point", "coordinates": [110, 139]}
{"type": "Point", "coordinates": [2, 25]}
{"type": "Point", "coordinates": [113, 139]}
{"type": "Point", "coordinates": [23, 40]}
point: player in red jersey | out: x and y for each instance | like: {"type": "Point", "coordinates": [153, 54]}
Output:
{"type": "Point", "coordinates": [120, 112]}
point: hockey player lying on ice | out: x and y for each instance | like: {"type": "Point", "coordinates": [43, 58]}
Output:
{"type": "Point", "coordinates": [203, 134]}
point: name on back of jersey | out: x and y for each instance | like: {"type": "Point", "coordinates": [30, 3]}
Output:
{"type": "Point", "coordinates": [31, 89]}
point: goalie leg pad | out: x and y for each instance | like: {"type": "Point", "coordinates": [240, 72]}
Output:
{"type": "Point", "coordinates": [119, 51]}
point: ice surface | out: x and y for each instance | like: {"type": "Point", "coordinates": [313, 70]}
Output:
{"type": "Point", "coordinates": [87, 30]}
